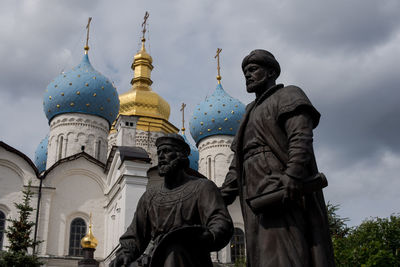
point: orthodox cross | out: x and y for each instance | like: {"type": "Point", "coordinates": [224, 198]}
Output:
{"type": "Point", "coordinates": [87, 35]}
{"type": "Point", "coordinates": [146, 16]}
{"type": "Point", "coordinates": [183, 117]}
{"type": "Point", "coordinates": [218, 67]}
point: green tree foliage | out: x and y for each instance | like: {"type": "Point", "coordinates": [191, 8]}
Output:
{"type": "Point", "coordinates": [375, 242]}
{"type": "Point", "coordinates": [337, 224]}
{"type": "Point", "coordinates": [19, 236]}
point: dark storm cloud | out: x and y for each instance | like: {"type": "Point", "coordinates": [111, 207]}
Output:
{"type": "Point", "coordinates": [344, 54]}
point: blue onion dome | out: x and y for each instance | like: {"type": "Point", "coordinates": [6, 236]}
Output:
{"type": "Point", "coordinates": [41, 155]}
{"type": "Point", "coordinates": [218, 114]}
{"type": "Point", "coordinates": [194, 154]}
{"type": "Point", "coordinates": [81, 90]}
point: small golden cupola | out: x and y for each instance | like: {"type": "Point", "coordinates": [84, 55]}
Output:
{"type": "Point", "coordinates": [153, 111]}
{"type": "Point", "coordinates": [89, 241]}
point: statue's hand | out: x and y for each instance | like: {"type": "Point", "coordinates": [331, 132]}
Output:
{"type": "Point", "coordinates": [293, 188]}
{"type": "Point", "coordinates": [206, 238]}
{"type": "Point", "coordinates": [123, 260]}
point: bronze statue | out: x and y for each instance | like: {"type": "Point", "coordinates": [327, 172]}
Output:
{"type": "Point", "coordinates": [275, 174]}
{"type": "Point", "coordinates": [178, 223]}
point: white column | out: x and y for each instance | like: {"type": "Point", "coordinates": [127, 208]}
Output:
{"type": "Point", "coordinates": [44, 218]}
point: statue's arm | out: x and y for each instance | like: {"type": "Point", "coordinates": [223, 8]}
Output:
{"type": "Point", "coordinates": [298, 127]}
{"type": "Point", "coordinates": [214, 215]}
{"type": "Point", "coordinates": [134, 241]}
{"type": "Point", "coordinates": [229, 189]}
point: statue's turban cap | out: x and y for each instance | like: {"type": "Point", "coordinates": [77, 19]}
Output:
{"type": "Point", "coordinates": [175, 140]}
{"type": "Point", "coordinates": [264, 58]}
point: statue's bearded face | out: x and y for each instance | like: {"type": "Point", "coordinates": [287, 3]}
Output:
{"type": "Point", "coordinates": [257, 77]}
{"type": "Point", "coordinates": [168, 160]}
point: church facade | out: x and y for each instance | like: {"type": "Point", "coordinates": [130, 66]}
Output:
{"type": "Point", "coordinates": [100, 156]}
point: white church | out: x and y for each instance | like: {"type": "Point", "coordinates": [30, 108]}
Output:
{"type": "Point", "coordinates": [99, 156]}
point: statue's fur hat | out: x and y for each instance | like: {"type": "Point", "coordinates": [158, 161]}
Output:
{"type": "Point", "coordinates": [264, 58]}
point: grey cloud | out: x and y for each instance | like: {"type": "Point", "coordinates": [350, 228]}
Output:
{"type": "Point", "coordinates": [342, 53]}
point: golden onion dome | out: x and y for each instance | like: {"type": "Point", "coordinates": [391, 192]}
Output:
{"type": "Point", "coordinates": [141, 100]}
{"type": "Point", "coordinates": [89, 241]}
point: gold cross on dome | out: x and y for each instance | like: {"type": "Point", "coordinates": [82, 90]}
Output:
{"type": "Point", "coordinates": [183, 117]}
{"type": "Point", "coordinates": [218, 66]}
{"type": "Point", "coordinates": [146, 16]}
{"type": "Point", "coordinates": [87, 35]}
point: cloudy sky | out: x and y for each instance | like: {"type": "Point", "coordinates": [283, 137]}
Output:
{"type": "Point", "coordinates": [344, 54]}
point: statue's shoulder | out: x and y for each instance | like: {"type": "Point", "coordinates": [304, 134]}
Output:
{"type": "Point", "coordinates": [291, 93]}
{"type": "Point", "coordinates": [207, 184]}
{"type": "Point", "coordinates": [291, 98]}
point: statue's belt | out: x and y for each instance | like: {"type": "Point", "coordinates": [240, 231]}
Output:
{"type": "Point", "coordinates": [254, 151]}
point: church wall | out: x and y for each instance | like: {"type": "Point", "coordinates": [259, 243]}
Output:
{"type": "Point", "coordinates": [15, 172]}
{"type": "Point", "coordinates": [78, 191]}
{"type": "Point", "coordinates": [70, 132]}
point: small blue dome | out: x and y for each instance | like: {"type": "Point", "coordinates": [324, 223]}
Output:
{"type": "Point", "coordinates": [218, 114]}
{"type": "Point", "coordinates": [194, 154]}
{"type": "Point", "coordinates": [81, 90]}
{"type": "Point", "coordinates": [41, 155]}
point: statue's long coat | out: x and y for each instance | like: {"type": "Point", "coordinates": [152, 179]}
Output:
{"type": "Point", "coordinates": [161, 211]}
{"type": "Point", "coordinates": [275, 139]}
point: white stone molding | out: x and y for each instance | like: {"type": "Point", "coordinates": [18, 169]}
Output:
{"type": "Point", "coordinates": [14, 167]}
{"type": "Point", "coordinates": [215, 157]}
{"type": "Point", "coordinates": [71, 131]}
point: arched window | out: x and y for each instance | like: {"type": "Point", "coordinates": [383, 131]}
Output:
{"type": "Point", "coordinates": [237, 246]}
{"type": "Point", "coordinates": [2, 226]}
{"type": "Point", "coordinates": [209, 168]}
{"type": "Point", "coordinates": [98, 150]}
{"type": "Point", "coordinates": [76, 233]}
{"type": "Point", "coordinates": [60, 147]}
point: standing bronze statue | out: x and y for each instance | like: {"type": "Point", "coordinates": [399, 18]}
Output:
{"type": "Point", "coordinates": [178, 223]}
{"type": "Point", "coordinates": [275, 174]}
